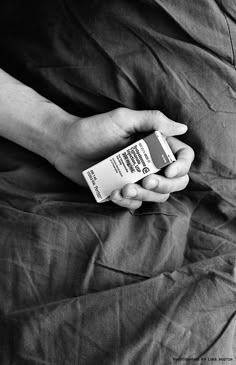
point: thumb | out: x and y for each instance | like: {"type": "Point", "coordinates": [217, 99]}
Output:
{"type": "Point", "coordinates": [149, 120]}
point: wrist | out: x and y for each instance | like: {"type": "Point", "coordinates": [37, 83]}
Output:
{"type": "Point", "coordinates": [51, 133]}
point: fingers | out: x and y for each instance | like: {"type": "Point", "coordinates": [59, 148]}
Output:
{"type": "Point", "coordinates": [148, 120]}
{"type": "Point", "coordinates": [132, 196]}
{"type": "Point", "coordinates": [161, 184]}
{"type": "Point", "coordinates": [118, 199]}
{"type": "Point", "coordinates": [135, 191]}
{"type": "Point", "coordinates": [155, 188]}
{"type": "Point", "coordinates": [184, 157]}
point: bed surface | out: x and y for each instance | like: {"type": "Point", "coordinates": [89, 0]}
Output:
{"type": "Point", "coordinates": [83, 283]}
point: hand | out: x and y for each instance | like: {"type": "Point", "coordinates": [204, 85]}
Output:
{"type": "Point", "coordinates": [87, 141]}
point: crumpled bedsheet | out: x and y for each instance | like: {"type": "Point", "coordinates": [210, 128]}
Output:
{"type": "Point", "coordinates": [86, 283]}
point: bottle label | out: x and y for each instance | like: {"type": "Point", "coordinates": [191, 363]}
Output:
{"type": "Point", "coordinates": [131, 164]}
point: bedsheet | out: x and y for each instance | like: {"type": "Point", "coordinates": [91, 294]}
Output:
{"type": "Point", "coordinates": [83, 283]}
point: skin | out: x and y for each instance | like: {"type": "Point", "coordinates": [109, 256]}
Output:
{"type": "Point", "coordinates": [72, 144]}
{"type": "Point", "coordinates": [91, 139]}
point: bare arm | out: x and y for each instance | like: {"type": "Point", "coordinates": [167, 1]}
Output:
{"type": "Point", "coordinates": [73, 144]}
{"type": "Point", "coordinates": [29, 119]}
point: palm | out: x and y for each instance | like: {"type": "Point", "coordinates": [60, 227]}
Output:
{"type": "Point", "coordinates": [89, 140]}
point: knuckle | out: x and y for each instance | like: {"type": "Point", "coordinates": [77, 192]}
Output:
{"type": "Point", "coordinates": [153, 115]}
{"type": "Point", "coordinates": [157, 115]}
{"type": "Point", "coordinates": [120, 113]}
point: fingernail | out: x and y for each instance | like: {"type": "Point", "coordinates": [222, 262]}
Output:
{"type": "Point", "coordinates": [151, 184]}
{"type": "Point", "coordinates": [182, 126]}
{"type": "Point", "coordinates": [173, 172]}
{"type": "Point", "coordinates": [131, 193]}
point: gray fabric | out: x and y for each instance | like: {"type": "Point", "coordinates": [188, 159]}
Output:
{"type": "Point", "coordinates": [82, 283]}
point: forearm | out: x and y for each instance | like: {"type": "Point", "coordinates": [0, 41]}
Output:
{"type": "Point", "coordinates": [29, 119]}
